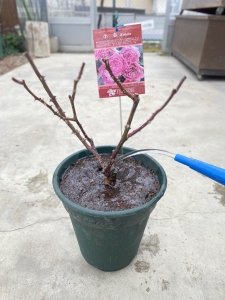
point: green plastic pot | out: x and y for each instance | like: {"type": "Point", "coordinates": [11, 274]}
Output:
{"type": "Point", "coordinates": [109, 240]}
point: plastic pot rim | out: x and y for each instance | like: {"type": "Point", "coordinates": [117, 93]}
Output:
{"type": "Point", "coordinates": [107, 214]}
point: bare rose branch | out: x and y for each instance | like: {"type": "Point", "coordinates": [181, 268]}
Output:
{"type": "Point", "coordinates": [107, 170]}
{"type": "Point", "coordinates": [174, 91]}
{"type": "Point", "coordinates": [43, 82]}
{"type": "Point", "coordinates": [75, 119]}
{"type": "Point", "coordinates": [66, 120]}
{"type": "Point", "coordinates": [72, 98]}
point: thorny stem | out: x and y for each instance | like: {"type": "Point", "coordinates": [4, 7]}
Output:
{"type": "Point", "coordinates": [75, 119]}
{"type": "Point", "coordinates": [72, 101]}
{"type": "Point", "coordinates": [90, 140]}
{"type": "Point", "coordinates": [81, 127]}
{"type": "Point", "coordinates": [123, 139]}
{"type": "Point", "coordinates": [72, 98]}
{"type": "Point", "coordinates": [43, 82]}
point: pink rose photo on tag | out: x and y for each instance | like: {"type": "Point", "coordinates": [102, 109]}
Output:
{"type": "Point", "coordinates": [124, 51]}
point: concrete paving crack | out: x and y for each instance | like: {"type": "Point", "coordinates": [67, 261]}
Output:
{"type": "Point", "coordinates": [189, 212]}
{"type": "Point", "coordinates": [21, 228]}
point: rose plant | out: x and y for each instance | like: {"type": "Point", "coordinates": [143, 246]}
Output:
{"type": "Point", "coordinates": [124, 63]}
{"type": "Point", "coordinates": [108, 239]}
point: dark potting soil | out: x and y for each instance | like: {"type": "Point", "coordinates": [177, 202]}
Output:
{"type": "Point", "coordinates": [83, 184]}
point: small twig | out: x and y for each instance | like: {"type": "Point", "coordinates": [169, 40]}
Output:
{"type": "Point", "coordinates": [72, 102]}
{"type": "Point", "coordinates": [72, 98]}
{"type": "Point", "coordinates": [75, 119]}
{"type": "Point", "coordinates": [43, 82]}
{"type": "Point", "coordinates": [22, 82]}
{"type": "Point", "coordinates": [82, 129]}
{"type": "Point", "coordinates": [174, 91]}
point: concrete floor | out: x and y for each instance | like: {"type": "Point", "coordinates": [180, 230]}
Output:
{"type": "Point", "coordinates": [182, 254]}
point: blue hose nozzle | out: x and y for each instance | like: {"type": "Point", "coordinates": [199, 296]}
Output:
{"type": "Point", "coordinates": [213, 172]}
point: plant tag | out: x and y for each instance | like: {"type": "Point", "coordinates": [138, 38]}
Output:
{"type": "Point", "coordinates": [124, 51]}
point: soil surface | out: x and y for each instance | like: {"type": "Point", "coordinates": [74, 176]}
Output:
{"type": "Point", "coordinates": [11, 62]}
{"type": "Point", "coordinates": [83, 184]}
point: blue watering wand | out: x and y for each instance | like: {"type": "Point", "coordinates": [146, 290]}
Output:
{"type": "Point", "coordinates": [213, 172]}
